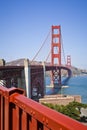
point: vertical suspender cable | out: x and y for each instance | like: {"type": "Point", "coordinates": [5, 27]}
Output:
{"type": "Point", "coordinates": [63, 49]}
{"type": "Point", "coordinates": [48, 56]}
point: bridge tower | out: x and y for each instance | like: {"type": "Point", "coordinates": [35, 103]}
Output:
{"type": "Point", "coordinates": [56, 53]}
{"type": "Point", "coordinates": [68, 61]}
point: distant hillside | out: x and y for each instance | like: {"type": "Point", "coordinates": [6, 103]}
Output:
{"type": "Point", "coordinates": [78, 71]}
{"type": "Point", "coordinates": [20, 62]}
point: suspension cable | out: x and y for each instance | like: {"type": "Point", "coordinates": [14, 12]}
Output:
{"type": "Point", "coordinates": [48, 56]}
{"type": "Point", "coordinates": [63, 49]}
{"type": "Point", "coordinates": [40, 47]}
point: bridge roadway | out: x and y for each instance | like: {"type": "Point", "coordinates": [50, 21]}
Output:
{"type": "Point", "coordinates": [55, 67]}
{"type": "Point", "coordinates": [35, 77]}
{"type": "Point", "coordinates": [56, 88]}
{"type": "Point", "coordinates": [9, 71]}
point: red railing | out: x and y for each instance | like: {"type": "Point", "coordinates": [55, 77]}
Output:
{"type": "Point", "coordinates": [17, 112]}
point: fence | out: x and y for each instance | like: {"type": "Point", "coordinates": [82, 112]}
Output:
{"type": "Point", "coordinates": [17, 112]}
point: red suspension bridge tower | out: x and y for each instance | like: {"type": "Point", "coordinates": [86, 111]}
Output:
{"type": "Point", "coordinates": [68, 61]}
{"type": "Point", "coordinates": [56, 54]}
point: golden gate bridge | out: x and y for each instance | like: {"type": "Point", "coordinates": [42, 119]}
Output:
{"type": "Point", "coordinates": [34, 75]}
{"type": "Point", "coordinates": [17, 112]}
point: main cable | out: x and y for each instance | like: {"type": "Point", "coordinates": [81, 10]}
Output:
{"type": "Point", "coordinates": [40, 47]}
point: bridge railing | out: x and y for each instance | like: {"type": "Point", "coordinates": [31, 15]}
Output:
{"type": "Point", "coordinates": [17, 112]}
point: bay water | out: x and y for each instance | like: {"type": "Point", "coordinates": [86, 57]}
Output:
{"type": "Point", "coordinates": [76, 86]}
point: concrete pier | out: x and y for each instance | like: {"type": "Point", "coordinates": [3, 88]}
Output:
{"type": "Point", "coordinates": [27, 77]}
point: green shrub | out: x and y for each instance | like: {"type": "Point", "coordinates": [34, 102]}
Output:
{"type": "Point", "coordinates": [72, 109]}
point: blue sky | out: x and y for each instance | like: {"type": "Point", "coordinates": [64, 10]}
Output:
{"type": "Point", "coordinates": [24, 25]}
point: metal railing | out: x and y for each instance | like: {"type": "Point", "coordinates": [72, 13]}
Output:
{"type": "Point", "coordinates": [17, 112]}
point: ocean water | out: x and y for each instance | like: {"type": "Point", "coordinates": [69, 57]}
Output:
{"type": "Point", "coordinates": [76, 86]}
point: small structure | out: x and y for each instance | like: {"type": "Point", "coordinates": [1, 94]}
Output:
{"type": "Point", "coordinates": [60, 99]}
{"type": "Point", "coordinates": [83, 114]}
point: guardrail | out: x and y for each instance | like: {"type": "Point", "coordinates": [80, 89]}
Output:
{"type": "Point", "coordinates": [17, 112]}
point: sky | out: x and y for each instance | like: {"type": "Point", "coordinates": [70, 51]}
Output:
{"type": "Point", "coordinates": [25, 24]}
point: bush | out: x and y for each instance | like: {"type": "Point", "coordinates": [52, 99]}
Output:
{"type": "Point", "coordinates": [72, 109]}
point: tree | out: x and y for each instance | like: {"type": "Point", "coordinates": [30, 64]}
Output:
{"type": "Point", "coordinates": [72, 109]}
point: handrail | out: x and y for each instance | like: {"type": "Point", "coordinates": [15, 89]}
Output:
{"type": "Point", "coordinates": [17, 112]}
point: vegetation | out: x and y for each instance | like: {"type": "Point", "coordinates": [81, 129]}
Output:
{"type": "Point", "coordinates": [72, 109]}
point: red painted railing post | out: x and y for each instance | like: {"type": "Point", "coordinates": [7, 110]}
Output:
{"type": "Point", "coordinates": [6, 111]}
{"type": "Point", "coordinates": [7, 115]}
{"type": "Point", "coordinates": [14, 110]}
{"type": "Point", "coordinates": [2, 108]}
{"type": "Point", "coordinates": [0, 112]}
